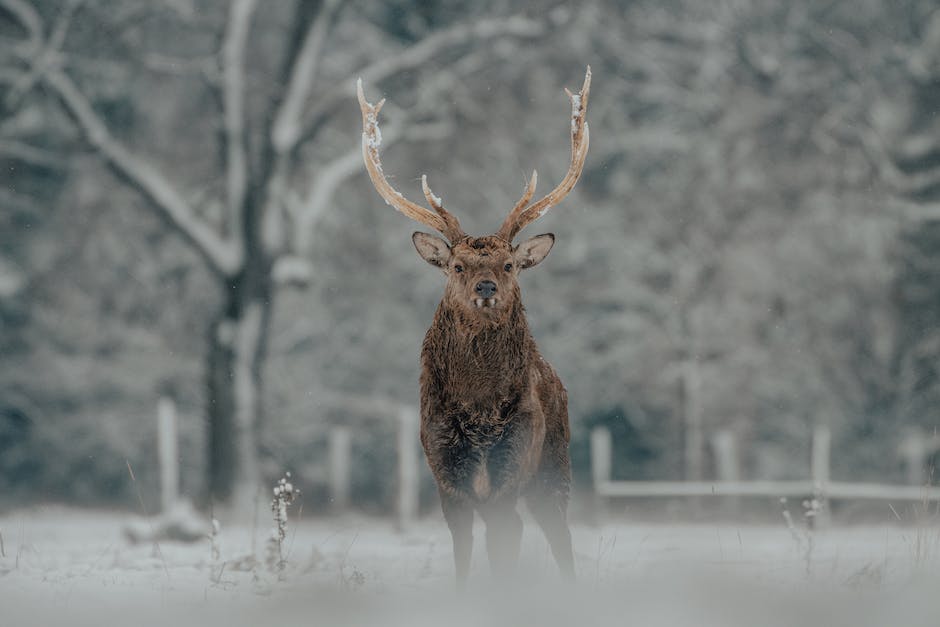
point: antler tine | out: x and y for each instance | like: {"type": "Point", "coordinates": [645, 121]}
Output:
{"type": "Point", "coordinates": [504, 230]}
{"type": "Point", "coordinates": [437, 204]}
{"type": "Point", "coordinates": [523, 215]}
{"type": "Point", "coordinates": [435, 201]}
{"type": "Point", "coordinates": [441, 221]}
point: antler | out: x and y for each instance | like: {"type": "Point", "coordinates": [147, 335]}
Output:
{"type": "Point", "coordinates": [523, 213]}
{"type": "Point", "coordinates": [442, 221]}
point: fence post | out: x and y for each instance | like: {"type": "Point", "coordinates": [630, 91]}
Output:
{"type": "Point", "coordinates": [168, 453]}
{"type": "Point", "coordinates": [408, 473]}
{"type": "Point", "coordinates": [913, 451]}
{"type": "Point", "coordinates": [727, 462]}
{"type": "Point", "coordinates": [601, 465]}
{"type": "Point", "coordinates": [340, 446]}
{"type": "Point", "coordinates": [819, 468]}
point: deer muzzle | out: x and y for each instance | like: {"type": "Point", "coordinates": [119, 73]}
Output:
{"type": "Point", "coordinates": [486, 289]}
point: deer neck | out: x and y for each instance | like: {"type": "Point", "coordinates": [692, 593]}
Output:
{"type": "Point", "coordinates": [480, 358]}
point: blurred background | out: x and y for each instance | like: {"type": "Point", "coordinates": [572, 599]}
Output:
{"type": "Point", "coordinates": [753, 251]}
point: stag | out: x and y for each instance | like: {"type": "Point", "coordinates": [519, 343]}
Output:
{"type": "Point", "coordinates": [494, 414]}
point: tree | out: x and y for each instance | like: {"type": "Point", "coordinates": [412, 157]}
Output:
{"type": "Point", "coordinates": [754, 229]}
{"type": "Point", "coordinates": [267, 129]}
{"type": "Point", "coordinates": [904, 140]}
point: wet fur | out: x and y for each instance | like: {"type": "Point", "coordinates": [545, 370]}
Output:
{"type": "Point", "coordinates": [494, 421]}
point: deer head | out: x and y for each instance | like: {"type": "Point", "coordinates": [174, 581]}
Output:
{"type": "Point", "coordinates": [482, 272]}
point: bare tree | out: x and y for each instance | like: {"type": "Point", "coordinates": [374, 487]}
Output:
{"type": "Point", "coordinates": [269, 210]}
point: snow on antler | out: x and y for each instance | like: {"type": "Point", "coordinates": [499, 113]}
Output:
{"type": "Point", "coordinates": [439, 219]}
{"type": "Point", "coordinates": [523, 214]}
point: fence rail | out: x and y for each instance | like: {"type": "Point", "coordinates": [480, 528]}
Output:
{"type": "Point", "coordinates": [776, 489]}
{"type": "Point", "coordinates": [913, 450]}
{"type": "Point", "coordinates": [336, 472]}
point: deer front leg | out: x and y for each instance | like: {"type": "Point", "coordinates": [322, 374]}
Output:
{"type": "Point", "coordinates": [452, 461]}
{"type": "Point", "coordinates": [548, 500]}
{"type": "Point", "coordinates": [503, 535]}
{"type": "Point", "coordinates": [549, 508]}
{"type": "Point", "coordinates": [459, 516]}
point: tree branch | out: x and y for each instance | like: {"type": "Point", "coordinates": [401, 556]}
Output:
{"type": "Point", "coordinates": [303, 58]}
{"type": "Point", "coordinates": [328, 178]}
{"type": "Point", "coordinates": [44, 56]}
{"type": "Point", "coordinates": [236, 160]}
{"type": "Point", "coordinates": [32, 155]}
{"type": "Point", "coordinates": [883, 160]}
{"type": "Point", "coordinates": [24, 13]}
{"type": "Point", "coordinates": [322, 189]}
{"type": "Point", "coordinates": [221, 256]}
{"type": "Point", "coordinates": [416, 56]}
{"type": "Point", "coordinates": [286, 129]}
{"type": "Point", "coordinates": [294, 269]}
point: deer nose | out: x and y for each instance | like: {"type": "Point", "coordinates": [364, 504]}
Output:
{"type": "Point", "coordinates": [486, 289]}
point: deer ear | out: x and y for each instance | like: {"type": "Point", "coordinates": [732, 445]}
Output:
{"type": "Point", "coordinates": [432, 249]}
{"type": "Point", "coordinates": [532, 251]}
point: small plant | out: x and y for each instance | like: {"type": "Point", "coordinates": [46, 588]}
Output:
{"type": "Point", "coordinates": [870, 575]}
{"type": "Point", "coordinates": [926, 541]}
{"type": "Point", "coordinates": [812, 508]}
{"type": "Point", "coordinates": [804, 536]}
{"type": "Point", "coordinates": [924, 516]}
{"type": "Point", "coordinates": [355, 580]}
{"type": "Point", "coordinates": [284, 495]}
{"type": "Point", "coordinates": [213, 537]}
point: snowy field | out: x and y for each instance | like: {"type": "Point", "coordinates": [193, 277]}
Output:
{"type": "Point", "coordinates": [66, 567]}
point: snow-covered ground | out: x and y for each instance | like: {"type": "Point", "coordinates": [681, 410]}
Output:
{"type": "Point", "coordinates": [67, 567]}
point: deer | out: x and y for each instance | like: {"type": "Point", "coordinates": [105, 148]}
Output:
{"type": "Point", "coordinates": [494, 413]}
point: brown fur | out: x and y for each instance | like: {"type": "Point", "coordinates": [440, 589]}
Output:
{"type": "Point", "coordinates": [494, 416]}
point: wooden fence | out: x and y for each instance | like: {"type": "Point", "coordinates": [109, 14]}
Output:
{"type": "Point", "coordinates": [337, 470]}
{"type": "Point", "coordinates": [914, 451]}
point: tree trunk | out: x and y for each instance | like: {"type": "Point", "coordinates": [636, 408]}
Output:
{"type": "Point", "coordinates": [237, 349]}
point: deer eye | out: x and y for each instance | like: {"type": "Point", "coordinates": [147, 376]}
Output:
{"type": "Point", "coordinates": [507, 267]}
{"type": "Point", "coordinates": [458, 268]}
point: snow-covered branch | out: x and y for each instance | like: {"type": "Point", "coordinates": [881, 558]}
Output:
{"type": "Point", "coordinates": [33, 155]}
{"type": "Point", "coordinates": [221, 256]}
{"type": "Point", "coordinates": [328, 178]}
{"type": "Point", "coordinates": [287, 123]}
{"type": "Point", "coordinates": [24, 13]}
{"type": "Point", "coordinates": [321, 192]}
{"type": "Point", "coordinates": [39, 55]}
{"type": "Point", "coordinates": [163, 196]}
{"type": "Point", "coordinates": [300, 70]}
{"type": "Point", "coordinates": [417, 55]}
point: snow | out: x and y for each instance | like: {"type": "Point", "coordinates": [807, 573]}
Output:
{"type": "Point", "coordinates": [370, 151]}
{"type": "Point", "coordinates": [74, 567]}
{"type": "Point", "coordinates": [575, 111]}
{"type": "Point", "coordinates": [375, 140]}
{"type": "Point", "coordinates": [372, 138]}
{"type": "Point", "coordinates": [435, 198]}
